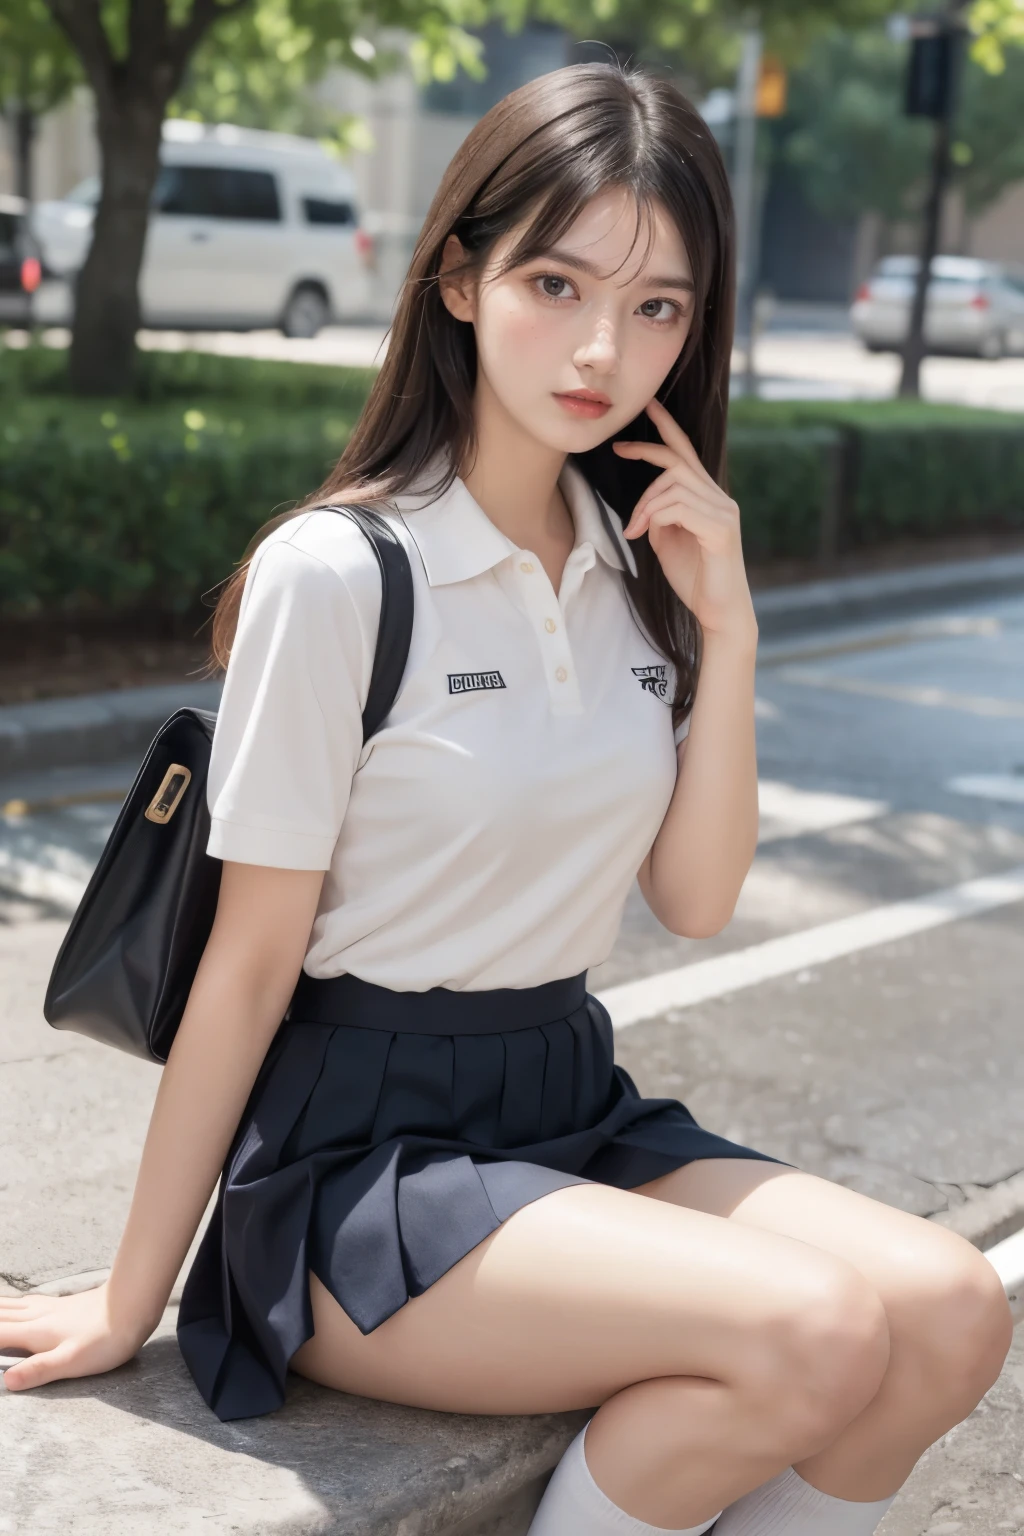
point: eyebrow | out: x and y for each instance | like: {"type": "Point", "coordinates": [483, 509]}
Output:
{"type": "Point", "coordinates": [582, 265]}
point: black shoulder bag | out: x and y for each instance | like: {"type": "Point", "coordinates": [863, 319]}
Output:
{"type": "Point", "coordinates": [126, 965]}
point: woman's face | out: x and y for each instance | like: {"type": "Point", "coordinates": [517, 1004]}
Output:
{"type": "Point", "coordinates": [590, 315]}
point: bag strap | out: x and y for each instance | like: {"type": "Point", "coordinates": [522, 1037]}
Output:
{"type": "Point", "coordinates": [394, 632]}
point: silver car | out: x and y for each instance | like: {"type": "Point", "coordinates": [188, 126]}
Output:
{"type": "Point", "coordinates": [974, 307]}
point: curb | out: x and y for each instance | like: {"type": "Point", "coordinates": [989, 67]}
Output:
{"type": "Point", "coordinates": [793, 610]}
{"type": "Point", "coordinates": [987, 1216]}
{"type": "Point", "coordinates": [94, 727]}
{"type": "Point", "coordinates": [120, 723]}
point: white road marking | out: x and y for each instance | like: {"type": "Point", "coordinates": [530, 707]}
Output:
{"type": "Point", "coordinates": [856, 639]}
{"type": "Point", "coordinates": [932, 698]}
{"type": "Point", "coordinates": [635, 1001]}
{"type": "Point", "coordinates": [787, 811]}
{"type": "Point", "coordinates": [36, 864]}
{"type": "Point", "coordinates": [1007, 1258]}
{"type": "Point", "coordinates": [990, 786]}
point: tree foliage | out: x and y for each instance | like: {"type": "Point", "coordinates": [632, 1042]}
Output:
{"type": "Point", "coordinates": [38, 68]}
{"type": "Point", "coordinates": [998, 27]}
{"type": "Point", "coordinates": [857, 152]}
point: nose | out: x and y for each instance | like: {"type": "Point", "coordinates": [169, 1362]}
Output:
{"type": "Point", "coordinates": [599, 348]}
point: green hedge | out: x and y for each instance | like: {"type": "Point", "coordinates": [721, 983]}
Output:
{"type": "Point", "coordinates": [779, 478]}
{"type": "Point", "coordinates": [911, 469]}
{"type": "Point", "coordinates": [109, 505]}
{"type": "Point", "coordinates": [149, 502]}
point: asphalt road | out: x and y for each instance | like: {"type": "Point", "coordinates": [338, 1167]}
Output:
{"type": "Point", "coordinates": [890, 772]}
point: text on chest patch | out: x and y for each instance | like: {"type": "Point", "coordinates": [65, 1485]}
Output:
{"type": "Point", "coordinates": [474, 682]}
{"type": "Point", "coordinates": [653, 679]}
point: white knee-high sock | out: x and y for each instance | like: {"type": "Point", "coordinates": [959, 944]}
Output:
{"type": "Point", "coordinates": [573, 1505]}
{"type": "Point", "coordinates": [788, 1506]}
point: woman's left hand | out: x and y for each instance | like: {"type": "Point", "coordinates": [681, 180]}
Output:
{"type": "Point", "coordinates": [694, 529]}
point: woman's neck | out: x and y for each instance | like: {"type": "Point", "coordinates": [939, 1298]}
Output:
{"type": "Point", "coordinates": [514, 479]}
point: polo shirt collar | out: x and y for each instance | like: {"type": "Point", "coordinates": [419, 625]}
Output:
{"type": "Point", "coordinates": [595, 522]}
{"type": "Point", "coordinates": [457, 540]}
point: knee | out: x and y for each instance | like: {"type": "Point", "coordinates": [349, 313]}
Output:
{"type": "Point", "coordinates": [951, 1326]}
{"type": "Point", "coordinates": [823, 1356]}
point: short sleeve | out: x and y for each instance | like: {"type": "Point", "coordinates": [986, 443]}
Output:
{"type": "Point", "coordinates": [682, 730]}
{"type": "Point", "coordinates": [289, 727]}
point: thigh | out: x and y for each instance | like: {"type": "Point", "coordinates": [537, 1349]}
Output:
{"type": "Point", "coordinates": [575, 1296]}
{"type": "Point", "coordinates": [895, 1251]}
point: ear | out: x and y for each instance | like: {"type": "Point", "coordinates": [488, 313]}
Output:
{"type": "Point", "coordinates": [457, 291]}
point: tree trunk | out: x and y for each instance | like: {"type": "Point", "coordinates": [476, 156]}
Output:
{"type": "Point", "coordinates": [24, 134]}
{"type": "Point", "coordinates": [914, 348]}
{"type": "Point", "coordinates": [107, 292]}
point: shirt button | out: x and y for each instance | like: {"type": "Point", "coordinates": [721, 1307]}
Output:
{"type": "Point", "coordinates": [526, 567]}
{"type": "Point", "coordinates": [550, 626]}
{"type": "Point", "coordinates": [561, 674]}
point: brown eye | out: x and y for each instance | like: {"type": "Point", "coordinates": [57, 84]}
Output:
{"type": "Point", "coordinates": [543, 278]}
{"type": "Point", "coordinates": [675, 310]}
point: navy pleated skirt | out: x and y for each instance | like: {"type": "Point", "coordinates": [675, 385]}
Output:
{"type": "Point", "coordinates": [386, 1135]}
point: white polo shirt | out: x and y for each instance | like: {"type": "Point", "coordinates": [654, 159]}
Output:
{"type": "Point", "coordinates": [488, 835]}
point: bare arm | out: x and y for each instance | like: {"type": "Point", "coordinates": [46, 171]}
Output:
{"type": "Point", "coordinates": [241, 990]}
{"type": "Point", "coordinates": [692, 876]}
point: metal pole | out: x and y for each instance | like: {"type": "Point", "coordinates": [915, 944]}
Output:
{"type": "Point", "coordinates": [744, 189]}
{"type": "Point", "coordinates": [914, 347]}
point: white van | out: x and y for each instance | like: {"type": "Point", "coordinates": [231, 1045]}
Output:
{"type": "Point", "coordinates": [248, 229]}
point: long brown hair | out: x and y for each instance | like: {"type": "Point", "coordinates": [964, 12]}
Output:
{"type": "Point", "coordinates": [536, 159]}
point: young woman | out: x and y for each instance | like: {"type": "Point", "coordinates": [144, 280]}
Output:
{"type": "Point", "coordinates": [439, 1188]}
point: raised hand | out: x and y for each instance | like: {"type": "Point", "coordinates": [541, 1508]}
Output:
{"type": "Point", "coordinates": [694, 530]}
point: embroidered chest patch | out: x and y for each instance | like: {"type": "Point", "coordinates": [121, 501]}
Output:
{"type": "Point", "coordinates": [474, 682]}
{"type": "Point", "coordinates": [653, 679]}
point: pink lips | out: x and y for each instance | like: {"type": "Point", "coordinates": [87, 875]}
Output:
{"type": "Point", "coordinates": [584, 402]}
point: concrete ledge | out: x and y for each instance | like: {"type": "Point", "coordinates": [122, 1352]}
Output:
{"type": "Point", "coordinates": [988, 1216]}
{"type": "Point", "coordinates": [138, 1450]}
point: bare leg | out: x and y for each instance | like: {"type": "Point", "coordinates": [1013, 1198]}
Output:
{"type": "Point", "coordinates": [949, 1321]}
{"type": "Point", "coordinates": [717, 1352]}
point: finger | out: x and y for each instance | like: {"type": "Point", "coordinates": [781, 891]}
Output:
{"type": "Point", "coordinates": [670, 429]}
{"type": "Point", "coordinates": [684, 505]}
{"type": "Point", "coordinates": [674, 434]}
{"type": "Point", "coordinates": [51, 1365]}
{"type": "Point", "coordinates": [24, 1306]}
{"type": "Point", "coordinates": [681, 475]}
{"type": "Point", "coordinates": [654, 453]}
{"type": "Point", "coordinates": [709, 529]}
{"type": "Point", "coordinates": [30, 1335]}
{"type": "Point", "coordinates": [660, 483]}
{"type": "Point", "coordinates": [661, 453]}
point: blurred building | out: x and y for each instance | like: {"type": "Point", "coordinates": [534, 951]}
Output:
{"type": "Point", "coordinates": [808, 258]}
{"type": "Point", "coordinates": [417, 131]}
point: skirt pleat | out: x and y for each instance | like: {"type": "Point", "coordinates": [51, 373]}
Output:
{"type": "Point", "coordinates": [377, 1158]}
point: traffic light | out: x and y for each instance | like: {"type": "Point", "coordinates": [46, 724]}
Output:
{"type": "Point", "coordinates": [770, 100]}
{"type": "Point", "coordinates": [932, 71]}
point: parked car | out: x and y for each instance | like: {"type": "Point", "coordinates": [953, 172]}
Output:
{"type": "Point", "coordinates": [248, 229]}
{"type": "Point", "coordinates": [21, 263]}
{"type": "Point", "coordinates": [973, 306]}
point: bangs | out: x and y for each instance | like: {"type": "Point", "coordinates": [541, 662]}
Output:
{"type": "Point", "coordinates": [560, 209]}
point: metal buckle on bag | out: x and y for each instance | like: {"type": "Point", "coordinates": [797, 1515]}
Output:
{"type": "Point", "coordinates": [167, 798]}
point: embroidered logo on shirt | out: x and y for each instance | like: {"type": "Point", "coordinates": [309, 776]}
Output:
{"type": "Point", "coordinates": [653, 679]}
{"type": "Point", "coordinates": [474, 682]}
